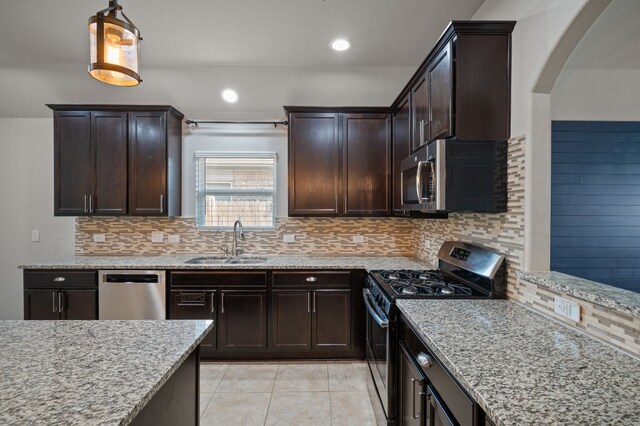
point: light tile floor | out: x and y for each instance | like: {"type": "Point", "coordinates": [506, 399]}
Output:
{"type": "Point", "coordinates": [285, 393]}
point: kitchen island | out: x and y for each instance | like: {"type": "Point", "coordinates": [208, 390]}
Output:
{"type": "Point", "coordinates": [100, 372]}
{"type": "Point", "coordinates": [525, 369]}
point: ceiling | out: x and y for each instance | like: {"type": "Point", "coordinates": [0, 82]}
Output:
{"type": "Point", "coordinates": [273, 52]}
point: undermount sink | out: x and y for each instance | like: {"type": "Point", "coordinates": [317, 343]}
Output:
{"type": "Point", "coordinates": [216, 260]}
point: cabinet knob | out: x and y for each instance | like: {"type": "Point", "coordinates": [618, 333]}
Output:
{"type": "Point", "coordinates": [311, 279]}
{"type": "Point", "coordinates": [424, 360]}
{"type": "Point", "coordinates": [59, 279]}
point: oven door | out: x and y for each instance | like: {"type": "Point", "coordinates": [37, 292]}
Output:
{"type": "Point", "coordinates": [378, 349]}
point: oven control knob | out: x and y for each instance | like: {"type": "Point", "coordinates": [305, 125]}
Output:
{"type": "Point", "coordinates": [424, 360]}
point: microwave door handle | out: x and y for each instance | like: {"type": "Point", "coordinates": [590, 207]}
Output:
{"type": "Point", "coordinates": [419, 182]}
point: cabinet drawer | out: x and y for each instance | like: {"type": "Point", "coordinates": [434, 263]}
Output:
{"type": "Point", "coordinates": [209, 279]}
{"type": "Point", "coordinates": [312, 278]}
{"type": "Point", "coordinates": [60, 279]}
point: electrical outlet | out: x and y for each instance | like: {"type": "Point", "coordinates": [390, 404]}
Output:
{"type": "Point", "coordinates": [567, 308]}
{"type": "Point", "coordinates": [35, 235]}
{"type": "Point", "coordinates": [288, 238]}
{"type": "Point", "coordinates": [174, 238]}
{"type": "Point", "coordinates": [157, 236]}
{"type": "Point", "coordinates": [357, 239]}
{"type": "Point", "coordinates": [99, 238]}
{"type": "Point", "coordinates": [427, 244]}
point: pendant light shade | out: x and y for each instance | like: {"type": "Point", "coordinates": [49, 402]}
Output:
{"type": "Point", "coordinates": [115, 47]}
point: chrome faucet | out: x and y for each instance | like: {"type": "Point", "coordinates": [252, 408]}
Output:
{"type": "Point", "coordinates": [234, 247]}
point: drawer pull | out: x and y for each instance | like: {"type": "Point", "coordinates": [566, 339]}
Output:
{"type": "Point", "coordinates": [59, 279]}
{"type": "Point", "coordinates": [311, 279]}
{"type": "Point", "coordinates": [424, 360]}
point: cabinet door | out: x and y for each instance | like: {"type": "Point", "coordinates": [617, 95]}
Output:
{"type": "Point", "coordinates": [440, 71]}
{"type": "Point", "coordinates": [331, 319]}
{"type": "Point", "coordinates": [314, 164]}
{"type": "Point", "coordinates": [147, 164]}
{"type": "Point", "coordinates": [73, 163]}
{"type": "Point", "coordinates": [109, 141]}
{"type": "Point", "coordinates": [366, 171]}
{"type": "Point", "coordinates": [196, 304]}
{"type": "Point", "coordinates": [401, 144]}
{"type": "Point", "coordinates": [243, 320]}
{"type": "Point", "coordinates": [419, 112]}
{"type": "Point", "coordinates": [291, 317]}
{"type": "Point", "coordinates": [41, 305]}
{"type": "Point", "coordinates": [78, 304]}
{"type": "Point", "coordinates": [411, 381]}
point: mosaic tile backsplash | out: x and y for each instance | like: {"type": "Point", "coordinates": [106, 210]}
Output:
{"type": "Point", "coordinates": [321, 236]}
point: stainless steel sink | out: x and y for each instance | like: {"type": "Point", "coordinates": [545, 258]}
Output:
{"type": "Point", "coordinates": [207, 260]}
{"type": "Point", "coordinates": [247, 260]}
{"type": "Point", "coordinates": [217, 260]}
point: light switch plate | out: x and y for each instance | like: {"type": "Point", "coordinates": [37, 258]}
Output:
{"type": "Point", "coordinates": [288, 238]}
{"type": "Point", "coordinates": [567, 308]}
{"type": "Point", "coordinates": [157, 236]}
{"type": "Point", "coordinates": [99, 238]}
{"type": "Point", "coordinates": [35, 235]}
{"type": "Point", "coordinates": [357, 239]}
{"type": "Point", "coordinates": [174, 238]}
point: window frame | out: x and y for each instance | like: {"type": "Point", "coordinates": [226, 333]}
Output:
{"type": "Point", "coordinates": [201, 194]}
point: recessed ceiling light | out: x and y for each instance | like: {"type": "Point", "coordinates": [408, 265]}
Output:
{"type": "Point", "coordinates": [340, 44]}
{"type": "Point", "coordinates": [230, 95]}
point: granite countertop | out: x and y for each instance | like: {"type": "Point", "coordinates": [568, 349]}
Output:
{"type": "Point", "coordinates": [602, 294]}
{"type": "Point", "coordinates": [525, 369]}
{"type": "Point", "coordinates": [88, 372]}
{"type": "Point", "coordinates": [273, 262]}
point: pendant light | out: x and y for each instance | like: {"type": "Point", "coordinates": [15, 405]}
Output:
{"type": "Point", "coordinates": [115, 47]}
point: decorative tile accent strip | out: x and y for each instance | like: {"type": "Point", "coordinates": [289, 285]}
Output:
{"type": "Point", "coordinates": [321, 236]}
{"type": "Point", "coordinates": [503, 232]}
{"type": "Point", "coordinates": [608, 325]}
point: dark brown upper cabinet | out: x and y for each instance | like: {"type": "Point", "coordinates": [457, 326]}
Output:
{"type": "Point", "coordinates": [339, 161]}
{"type": "Point", "coordinates": [462, 90]}
{"type": "Point", "coordinates": [117, 160]}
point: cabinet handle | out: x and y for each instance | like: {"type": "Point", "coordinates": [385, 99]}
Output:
{"type": "Point", "coordinates": [311, 279]}
{"type": "Point", "coordinates": [161, 203]}
{"type": "Point", "coordinates": [60, 302]}
{"type": "Point", "coordinates": [314, 301]}
{"type": "Point", "coordinates": [424, 360]}
{"type": "Point", "coordinates": [222, 303]}
{"type": "Point", "coordinates": [90, 203]}
{"type": "Point", "coordinates": [55, 309]}
{"type": "Point", "coordinates": [59, 279]}
{"type": "Point", "coordinates": [421, 132]}
{"type": "Point", "coordinates": [86, 210]}
{"type": "Point", "coordinates": [309, 302]}
{"type": "Point", "coordinates": [413, 404]}
{"type": "Point", "coordinates": [213, 308]}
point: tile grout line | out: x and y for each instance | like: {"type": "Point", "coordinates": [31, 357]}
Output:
{"type": "Point", "coordinates": [266, 415]}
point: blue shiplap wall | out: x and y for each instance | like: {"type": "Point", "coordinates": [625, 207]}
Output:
{"type": "Point", "coordinates": [595, 201]}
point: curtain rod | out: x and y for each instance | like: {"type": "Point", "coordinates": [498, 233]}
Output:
{"type": "Point", "coordinates": [197, 122]}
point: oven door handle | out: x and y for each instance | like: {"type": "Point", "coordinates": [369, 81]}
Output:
{"type": "Point", "coordinates": [376, 317]}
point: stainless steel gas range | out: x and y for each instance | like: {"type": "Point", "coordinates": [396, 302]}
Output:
{"type": "Point", "coordinates": [465, 271]}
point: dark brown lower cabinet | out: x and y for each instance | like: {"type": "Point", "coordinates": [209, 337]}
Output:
{"type": "Point", "coordinates": [57, 304]}
{"type": "Point", "coordinates": [411, 396]}
{"type": "Point", "coordinates": [196, 304]}
{"type": "Point", "coordinates": [331, 319]}
{"type": "Point", "coordinates": [79, 304]}
{"type": "Point", "coordinates": [243, 320]}
{"type": "Point", "coordinates": [291, 318]}
{"type": "Point", "coordinates": [41, 305]}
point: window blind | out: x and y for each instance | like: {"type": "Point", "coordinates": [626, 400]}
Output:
{"type": "Point", "coordinates": [231, 186]}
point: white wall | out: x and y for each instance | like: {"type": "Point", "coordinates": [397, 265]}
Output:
{"type": "Point", "coordinates": [233, 138]}
{"type": "Point", "coordinates": [26, 186]}
{"type": "Point", "coordinates": [601, 80]}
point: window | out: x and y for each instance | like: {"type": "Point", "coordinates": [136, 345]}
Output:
{"type": "Point", "coordinates": [231, 186]}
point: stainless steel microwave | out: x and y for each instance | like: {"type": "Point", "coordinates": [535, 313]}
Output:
{"type": "Point", "coordinates": [448, 175]}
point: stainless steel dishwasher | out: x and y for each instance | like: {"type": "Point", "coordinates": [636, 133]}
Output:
{"type": "Point", "coordinates": [136, 295]}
